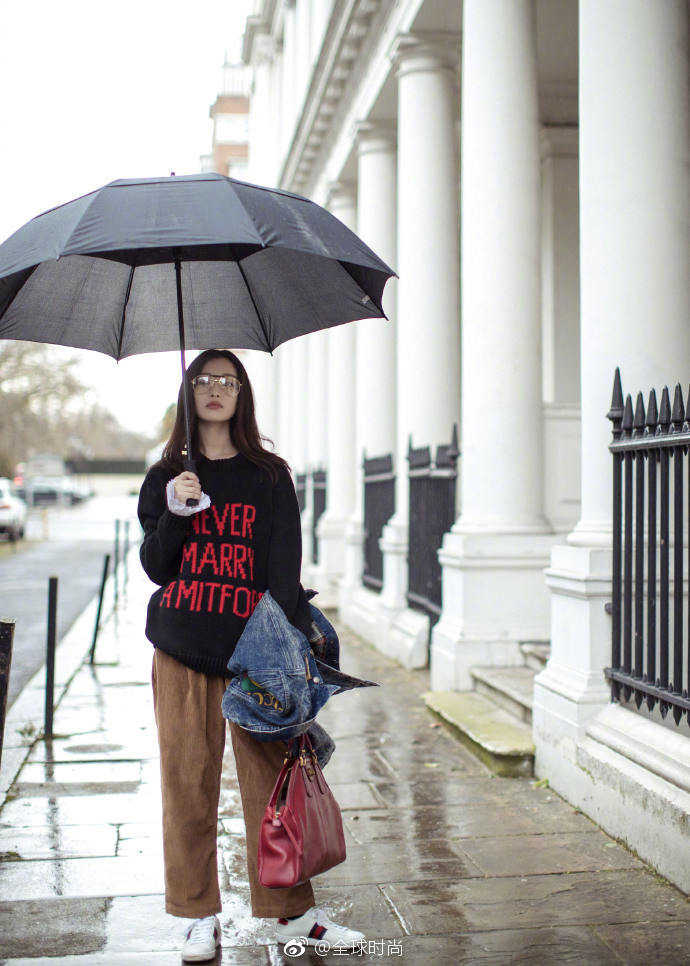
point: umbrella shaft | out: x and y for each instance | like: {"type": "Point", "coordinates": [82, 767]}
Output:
{"type": "Point", "coordinates": [189, 463]}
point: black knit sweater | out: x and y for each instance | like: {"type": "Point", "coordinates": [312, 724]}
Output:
{"type": "Point", "coordinates": [214, 566]}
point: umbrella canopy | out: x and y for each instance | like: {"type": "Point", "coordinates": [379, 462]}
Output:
{"type": "Point", "coordinates": [255, 268]}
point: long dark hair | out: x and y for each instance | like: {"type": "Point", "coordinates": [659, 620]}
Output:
{"type": "Point", "coordinates": [243, 429]}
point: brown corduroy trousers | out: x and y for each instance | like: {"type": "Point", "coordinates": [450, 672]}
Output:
{"type": "Point", "coordinates": [191, 737]}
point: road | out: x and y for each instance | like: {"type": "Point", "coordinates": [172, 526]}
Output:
{"type": "Point", "coordinates": [69, 544]}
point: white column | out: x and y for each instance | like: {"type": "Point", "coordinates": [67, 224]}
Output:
{"type": "Point", "coordinates": [315, 391]}
{"type": "Point", "coordinates": [262, 109]}
{"type": "Point", "coordinates": [303, 61]}
{"type": "Point", "coordinates": [283, 355]}
{"type": "Point", "coordinates": [375, 339]}
{"type": "Point", "coordinates": [341, 390]}
{"type": "Point", "coordinates": [635, 296]}
{"type": "Point", "coordinates": [428, 316]}
{"type": "Point", "coordinates": [287, 87]}
{"type": "Point", "coordinates": [493, 558]}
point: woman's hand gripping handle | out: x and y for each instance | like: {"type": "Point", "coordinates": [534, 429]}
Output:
{"type": "Point", "coordinates": [187, 485]}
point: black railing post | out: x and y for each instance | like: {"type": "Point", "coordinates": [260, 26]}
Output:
{"type": "Point", "coordinates": [638, 432]}
{"type": "Point", "coordinates": [652, 461]}
{"type": "Point", "coordinates": [664, 553]}
{"type": "Point", "coordinates": [125, 555]}
{"type": "Point", "coordinates": [628, 547]}
{"type": "Point", "coordinates": [116, 561]}
{"type": "Point", "coordinates": [616, 417]}
{"type": "Point", "coordinates": [97, 627]}
{"type": "Point", "coordinates": [6, 641]}
{"type": "Point", "coordinates": [676, 686]}
{"type": "Point", "coordinates": [50, 655]}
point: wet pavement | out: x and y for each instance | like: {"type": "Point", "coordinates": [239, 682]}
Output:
{"type": "Point", "coordinates": [447, 864]}
{"type": "Point", "coordinates": [64, 542]}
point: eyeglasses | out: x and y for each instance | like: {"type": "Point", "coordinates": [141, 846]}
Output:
{"type": "Point", "coordinates": [229, 384]}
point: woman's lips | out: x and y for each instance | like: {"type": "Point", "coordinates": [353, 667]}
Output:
{"type": "Point", "coordinates": [213, 405]}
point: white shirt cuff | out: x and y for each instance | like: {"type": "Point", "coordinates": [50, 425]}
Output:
{"type": "Point", "coordinates": [180, 509]}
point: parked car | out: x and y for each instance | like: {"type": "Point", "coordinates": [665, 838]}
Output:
{"type": "Point", "coordinates": [12, 510]}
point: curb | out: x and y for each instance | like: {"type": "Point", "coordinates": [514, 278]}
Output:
{"type": "Point", "coordinates": [27, 713]}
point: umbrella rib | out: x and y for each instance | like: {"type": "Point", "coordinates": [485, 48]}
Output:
{"type": "Point", "coordinates": [124, 311]}
{"type": "Point", "coordinates": [256, 308]}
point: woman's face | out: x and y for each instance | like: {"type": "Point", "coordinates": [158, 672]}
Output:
{"type": "Point", "coordinates": [215, 405]}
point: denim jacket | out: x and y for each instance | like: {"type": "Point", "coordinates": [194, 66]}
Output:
{"type": "Point", "coordinates": [280, 680]}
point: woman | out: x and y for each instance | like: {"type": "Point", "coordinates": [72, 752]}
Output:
{"type": "Point", "coordinates": [213, 562]}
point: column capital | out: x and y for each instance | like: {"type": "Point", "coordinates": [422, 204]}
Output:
{"type": "Point", "coordinates": [426, 51]}
{"type": "Point", "coordinates": [341, 194]}
{"type": "Point", "coordinates": [264, 49]}
{"type": "Point", "coordinates": [375, 136]}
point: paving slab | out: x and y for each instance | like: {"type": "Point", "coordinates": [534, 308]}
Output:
{"type": "Point", "coordinates": [548, 853]}
{"type": "Point", "coordinates": [576, 899]}
{"type": "Point", "coordinates": [639, 944]}
{"type": "Point", "coordinates": [463, 821]}
{"type": "Point", "coordinates": [57, 842]}
{"type": "Point", "coordinates": [447, 863]}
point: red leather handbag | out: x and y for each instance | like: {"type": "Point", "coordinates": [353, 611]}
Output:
{"type": "Point", "coordinates": [302, 829]}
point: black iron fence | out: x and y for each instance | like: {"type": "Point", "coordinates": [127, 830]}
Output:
{"type": "Point", "coordinates": [650, 652]}
{"type": "Point", "coordinates": [319, 504]}
{"type": "Point", "coordinates": [379, 506]}
{"type": "Point", "coordinates": [432, 514]}
{"type": "Point", "coordinates": [301, 489]}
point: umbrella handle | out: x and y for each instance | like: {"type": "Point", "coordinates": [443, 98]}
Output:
{"type": "Point", "coordinates": [190, 466]}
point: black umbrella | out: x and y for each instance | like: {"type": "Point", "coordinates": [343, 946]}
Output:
{"type": "Point", "coordinates": [199, 261]}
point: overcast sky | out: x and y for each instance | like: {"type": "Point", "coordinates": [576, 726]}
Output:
{"type": "Point", "coordinates": [91, 92]}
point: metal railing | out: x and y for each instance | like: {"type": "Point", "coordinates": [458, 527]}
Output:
{"type": "Point", "coordinates": [379, 506]}
{"type": "Point", "coordinates": [319, 503]}
{"type": "Point", "coordinates": [650, 651]}
{"type": "Point", "coordinates": [432, 514]}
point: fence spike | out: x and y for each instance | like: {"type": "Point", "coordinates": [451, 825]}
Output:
{"type": "Point", "coordinates": [628, 416]}
{"type": "Point", "coordinates": [678, 408]}
{"type": "Point", "coordinates": [665, 412]}
{"type": "Point", "coordinates": [616, 398]}
{"type": "Point", "coordinates": [687, 410]}
{"type": "Point", "coordinates": [639, 419]}
{"type": "Point", "coordinates": [652, 412]}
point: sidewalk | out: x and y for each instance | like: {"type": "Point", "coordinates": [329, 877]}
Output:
{"type": "Point", "coordinates": [446, 863]}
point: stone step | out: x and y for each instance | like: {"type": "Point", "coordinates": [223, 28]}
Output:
{"type": "Point", "coordinates": [536, 654]}
{"type": "Point", "coordinates": [501, 741]}
{"type": "Point", "coordinates": [511, 688]}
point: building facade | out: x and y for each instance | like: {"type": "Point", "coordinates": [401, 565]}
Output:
{"type": "Point", "coordinates": [523, 165]}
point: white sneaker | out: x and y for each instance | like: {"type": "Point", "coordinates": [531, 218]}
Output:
{"type": "Point", "coordinates": [203, 936]}
{"type": "Point", "coordinates": [316, 927]}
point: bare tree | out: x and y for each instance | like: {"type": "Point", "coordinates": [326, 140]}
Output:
{"type": "Point", "coordinates": [44, 405]}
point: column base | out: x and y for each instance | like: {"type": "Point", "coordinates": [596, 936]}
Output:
{"type": "Point", "coordinates": [494, 598]}
{"type": "Point", "coordinates": [402, 634]}
{"type": "Point", "coordinates": [353, 554]}
{"type": "Point", "coordinates": [572, 689]}
{"type": "Point", "coordinates": [326, 575]}
{"type": "Point", "coordinates": [393, 544]}
{"type": "Point", "coordinates": [631, 776]}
